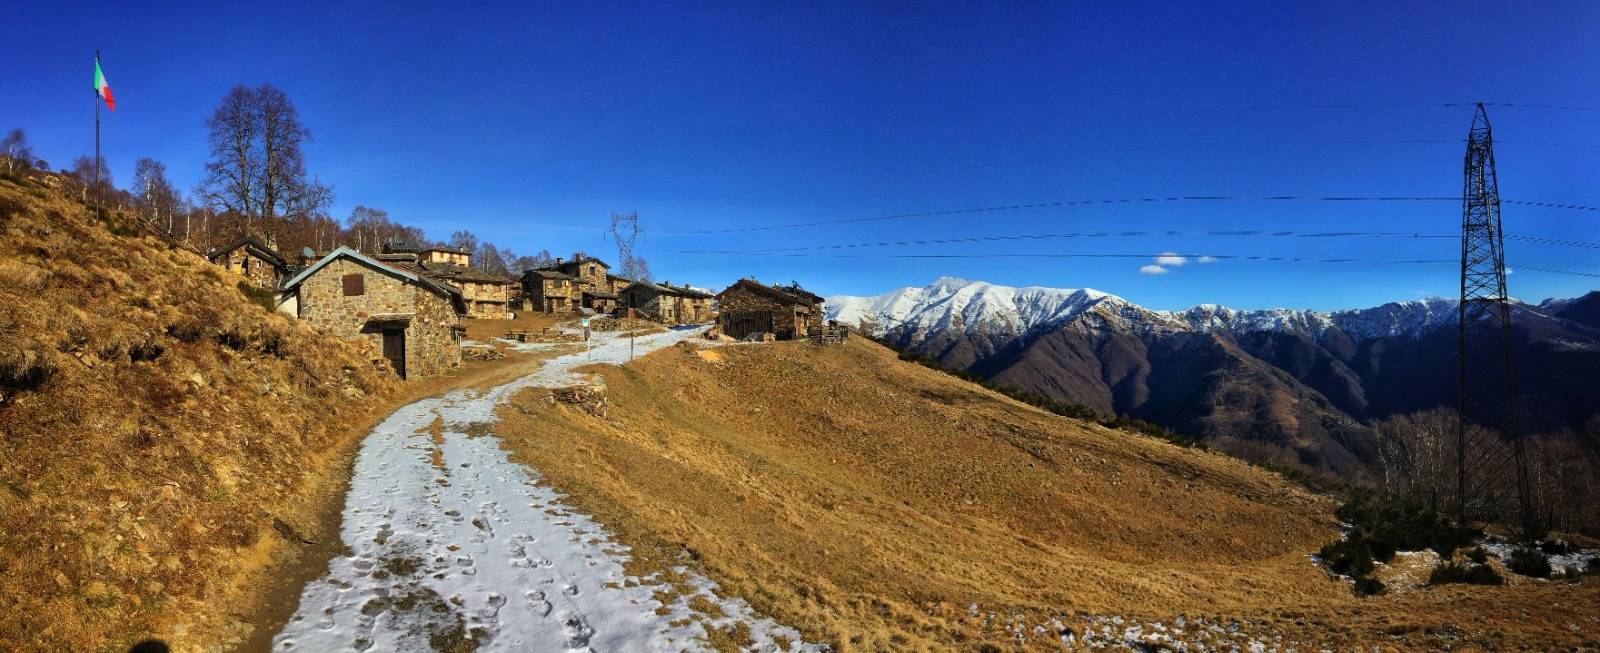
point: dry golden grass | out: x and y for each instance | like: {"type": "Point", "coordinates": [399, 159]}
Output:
{"type": "Point", "coordinates": [159, 433]}
{"type": "Point", "coordinates": [868, 502]}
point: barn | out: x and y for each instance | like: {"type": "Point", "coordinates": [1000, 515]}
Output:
{"type": "Point", "coordinates": [749, 306]}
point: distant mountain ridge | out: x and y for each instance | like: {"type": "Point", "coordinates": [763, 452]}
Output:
{"type": "Point", "coordinates": [1288, 386]}
{"type": "Point", "coordinates": [976, 305]}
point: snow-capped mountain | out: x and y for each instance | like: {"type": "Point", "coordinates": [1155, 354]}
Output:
{"type": "Point", "coordinates": [1289, 386]}
{"type": "Point", "coordinates": [952, 304]}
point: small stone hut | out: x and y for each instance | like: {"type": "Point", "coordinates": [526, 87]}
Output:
{"type": "Point", "coordinates": [694, 305]}
{"type": "Point", "coordinates": [253, 259]}
{"type": "Point", "coordinates": [549, 291]}
{"type": "Point", "coordinates": [650, 301]}
{"type": "Point", "coordinates": [749, 306]}
{"type": "Point", "coordinates": [410, 322]}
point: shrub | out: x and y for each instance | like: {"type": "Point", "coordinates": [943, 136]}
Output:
{"type": "Point", "coordinates": [1471, 574]}
{"type": "Point", "coordinates": [1368, 586]}
{"type": "Point", "coordinates": [1555, 547]}
{"type": "Point", "coordinates": [1478, 555]}
{"type": "Point", "coordinates": [1392, 525]}
{"type": "Point", "coordinates": [1350, 556]}
{"type": "Point", "coordinates": [1529, 562]}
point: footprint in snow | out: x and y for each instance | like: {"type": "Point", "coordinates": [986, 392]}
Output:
{"type": "Point", "coordinates": [541, 607]}
{"type": "Point", "coordinates": [578, 632]}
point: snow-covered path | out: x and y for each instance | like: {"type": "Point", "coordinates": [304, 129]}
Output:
{"type": "Point", "coordinates": [453, 547]}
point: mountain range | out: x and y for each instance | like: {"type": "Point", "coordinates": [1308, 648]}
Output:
{"type": "Point", "coordinates": [1290, 387]}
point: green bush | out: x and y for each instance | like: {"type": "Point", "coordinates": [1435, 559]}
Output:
{"type": "Point", "coordinates": [1471, 574]}
{"type": "Point", "coordinates": [1478, 555]}
{"type": "Point", "coordinates": [1368, 586]}
{"type": "Point", "coordinates": [1529, 562]}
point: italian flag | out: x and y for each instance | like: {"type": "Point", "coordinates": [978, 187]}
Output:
{"type": "Point", "coordinates": [101, 87]}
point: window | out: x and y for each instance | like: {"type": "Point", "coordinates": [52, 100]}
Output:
{"type": "Point", "coordinates": [355, 284]}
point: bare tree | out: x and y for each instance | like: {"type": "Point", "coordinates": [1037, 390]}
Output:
{"type": "Point", "coordinates": [14, 149]}
{"type": "Point", "coordinates": [235, 165]}
{"type": "Point", "coordinates": [464, 241]}
{"type": "Point", "coordinates": [158, 200]}
{"type": "Point", "coordinates": [257, 167]}
{"type": "Point", "coordinates": [83, 170]}
{"type": "Point", "coordinates": [487, 258]}
{"type": "Point", "coordinates": [367, 227]}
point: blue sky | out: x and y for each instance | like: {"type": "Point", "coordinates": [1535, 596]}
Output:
{"type": "Point", "coordinates": [531, 123]}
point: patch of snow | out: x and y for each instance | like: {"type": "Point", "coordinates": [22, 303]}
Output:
{"type": "Point", "coordinates": [453, 540]}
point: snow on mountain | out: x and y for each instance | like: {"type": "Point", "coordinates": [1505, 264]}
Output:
{"type": "Point", "coordinates": [950, 303]}
{"type": "Point", "coordinates": [969, 307]}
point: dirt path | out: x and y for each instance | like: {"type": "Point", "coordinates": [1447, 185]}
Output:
{"type": "Point", "coordinates": [453, 547]}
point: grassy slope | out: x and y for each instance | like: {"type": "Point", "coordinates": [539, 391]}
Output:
{"type": "Point", "coordinates": [160, 435]}
{"type": "Point", "coordinates": [868, 501]}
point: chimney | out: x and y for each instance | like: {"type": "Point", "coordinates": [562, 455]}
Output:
{"type": "Point", "coordinates": [558, 260]}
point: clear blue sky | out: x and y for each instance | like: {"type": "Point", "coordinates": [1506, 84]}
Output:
{"type": "Point", "coordinates": [529, 124]}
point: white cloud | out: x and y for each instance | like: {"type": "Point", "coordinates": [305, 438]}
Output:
{"type": "Point", "coordinates": [1152, 269]}
{"type": "Point", "coordinates": [1207, 259]}
{"type": "Point", "coordinates": [1170, 258]}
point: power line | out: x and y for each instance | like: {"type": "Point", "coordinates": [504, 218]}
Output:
{"type": "Point", "coordinates": [1117, 201]}
{"type": "Point", "coordinates": [1148, 256]}
{"type": "Point", "coordinates": [1142, 234]}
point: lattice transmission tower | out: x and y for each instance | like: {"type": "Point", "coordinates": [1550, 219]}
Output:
{"type": "Point", "coordinates": [1492, 466]}
{"type": "Point", "coordinates": [625, 232]}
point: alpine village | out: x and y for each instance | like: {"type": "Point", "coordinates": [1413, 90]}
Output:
{"type": "Point", "coordinates": [799, 328]}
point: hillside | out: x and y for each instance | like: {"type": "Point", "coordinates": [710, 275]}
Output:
{"type": "Point", "coordinates": [1283, 386]}
{"type": "Point", "coordinates": [879, 505]}
{"type": "Point", "coordinates": [163, 439]}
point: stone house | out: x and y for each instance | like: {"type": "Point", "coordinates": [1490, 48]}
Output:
{"type": "Point", "coordinates": [650, 301]}
{"type": "Point", "coordinates": [405, 319]}
{"type": "Point", "coordinates": [694, 305]}
{"type": "Point", "coordinates": [548, 291]}
{"type": "Point", "coordinates": [487, 295]}
{"type": "Point", "coordinates": [253, 259]}
{"type": "Point", "coordinates": [588, 269]}
{"type": "Point", "coordinates": [749, 306]}
{"type": "Point", "coordinates": [430, 254]}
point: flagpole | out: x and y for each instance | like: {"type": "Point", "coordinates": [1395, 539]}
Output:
{"type": "Point", "coordinates": [97, 141]}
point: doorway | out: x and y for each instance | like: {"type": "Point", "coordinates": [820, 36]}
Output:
{"type": "Point", "coordinates": [394, 349]}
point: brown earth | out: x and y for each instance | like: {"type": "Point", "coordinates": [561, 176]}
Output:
{"type": "Point", "coordinates": [879, 505]}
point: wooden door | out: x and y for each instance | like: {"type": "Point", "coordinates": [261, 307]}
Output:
{"type": "Point", "coordinates": [394, 349]}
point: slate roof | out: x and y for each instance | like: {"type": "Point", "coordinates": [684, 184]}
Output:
{"type": "Point", "coordinates": [786, 295]}
{"type": "Point", "coordinates": [254, 246]}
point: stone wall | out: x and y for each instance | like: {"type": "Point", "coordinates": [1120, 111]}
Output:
{"type": "Point", "coordinates": [433, 343]}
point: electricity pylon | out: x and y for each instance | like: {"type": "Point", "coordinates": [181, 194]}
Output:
{"type": "Point", "coordinates": [1489, 436]}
